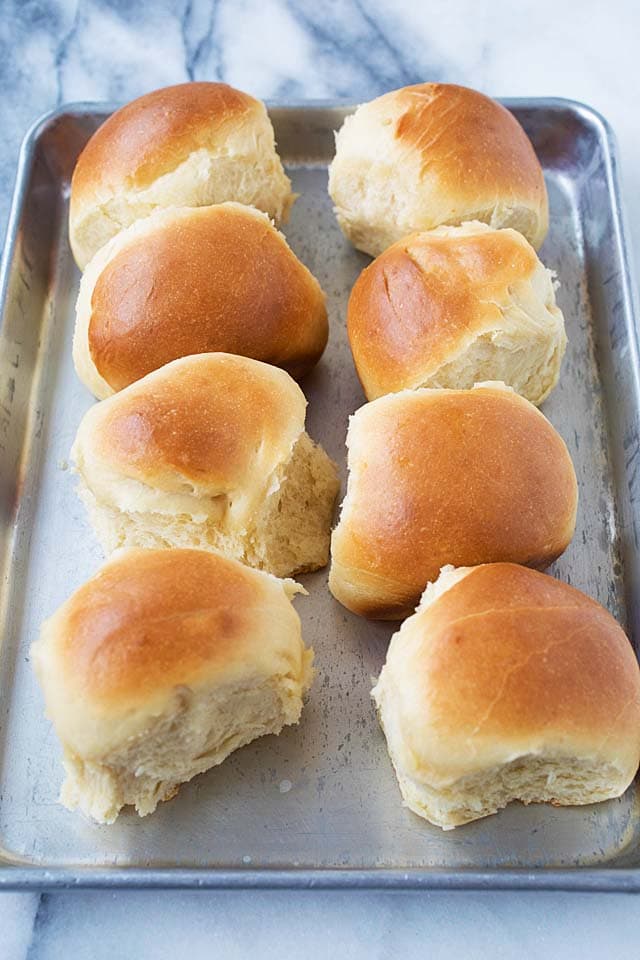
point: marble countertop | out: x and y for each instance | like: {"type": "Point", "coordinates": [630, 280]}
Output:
{"type": "Point", "coordinates": [52, 51]}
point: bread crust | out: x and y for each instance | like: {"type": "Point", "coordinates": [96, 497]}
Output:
{"type": "Point", "coordinates": [150, 622]}
{"type": "Point", "coordinates": [194, 144]}
{"type": "Point", "coordinates": [447, 476]}
{"type": "Point", "coordinates": [432, 154]}
{"type": "Point", "coordinates": [196, 280]}
{"type": "Point", "coordinates": [211, 425]}
{"type": "Point", "coordinates": [508, 665]}
{"type": "Point", "coordinates": [431, 298]}
{"type": "Point", "coordinates": [154, 134]}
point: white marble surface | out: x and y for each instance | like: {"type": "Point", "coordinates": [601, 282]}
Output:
{"type": "Point", "coordinates": [52, 52]}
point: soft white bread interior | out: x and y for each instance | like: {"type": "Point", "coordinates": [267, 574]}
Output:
{"type": "Point", "coordinates": [192, 145]}
{"type": "Point", "coordinates": [447, 476]}
{"type": "Point", "coordinates": [185, 281]}
{"type": "Point", "coordinates": [455, 306]}
{"type": "Point", "coordinates": [209, 452]}
{"type": "Point", "coordinates": [159, 667]}
{"type": "Point", "coordinates": [508, 685]}
{"type": "Point", "coordinates": [432, 154]}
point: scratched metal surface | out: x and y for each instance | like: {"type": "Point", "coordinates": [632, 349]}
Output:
{"type": "Point", "coordinates": [318, 805]}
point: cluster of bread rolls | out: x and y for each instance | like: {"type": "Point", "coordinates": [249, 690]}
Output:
{"type": "Point", "coordinates": [192, 319]}
{"type": "Point", "coordinates": [504, 684]}
{"type": "Point", "coordinates": [193, 316]}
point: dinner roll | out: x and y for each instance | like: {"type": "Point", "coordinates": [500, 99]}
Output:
{"type": "Point", "coordinates": [432, 154]}
{"type": "Point", "coordinates": [159, 667]}
{"type": "Point", "coordinates": [210, 451]}
{"type": "Point", "coordinates": [189, 281]}
{"type": "Point", "coordinates": [190, 145]}
{"type": "Point", "coordinates": [508, 685]}
{"type": "Point", "coordinates": [447, 476]}
{"type": "Point", "coordinates": [455, 306]}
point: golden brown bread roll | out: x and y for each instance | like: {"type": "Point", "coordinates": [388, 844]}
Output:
{"type": "Point", "coordinates": [159, 667]}
{"type": "Point", "coordinates": [455, 306]}
{"type": "Point", "coordinates": [508, 685]}
{"type": "Point", "coordinates": [188, 281]}
{"type": "Point", "coordinates": [190, 145]}
{"type": "Point", "coordinates": [209, 451]}
{"type": "Point", "coordinates": [432, 154]}
{"type": "Point", "coordinates": [447, 476]}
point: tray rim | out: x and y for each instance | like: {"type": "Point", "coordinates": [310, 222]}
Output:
{"type": "Point", "coordinates": [578, 879]}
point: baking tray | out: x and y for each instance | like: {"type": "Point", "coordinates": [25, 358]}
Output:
{"type": "Point", "coordinates": [319, 805]}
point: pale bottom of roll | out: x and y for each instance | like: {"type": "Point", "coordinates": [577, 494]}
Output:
{"type": "Point", "coordinates": [199, 732]}
{"type": "Point", "coordinates": [562, 781]}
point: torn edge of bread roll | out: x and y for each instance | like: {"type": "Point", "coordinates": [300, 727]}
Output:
{"type": "Point", "coordinates": [209, 452]}
{"type": "Point", "coordinates": [453, 306]}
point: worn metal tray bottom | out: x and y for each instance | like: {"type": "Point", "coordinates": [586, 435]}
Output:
{"type": "Point", "coordinates": [319, 805]}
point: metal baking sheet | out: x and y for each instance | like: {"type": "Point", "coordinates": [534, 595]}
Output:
{"type": "Point", "coordinates": [319, 805]}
